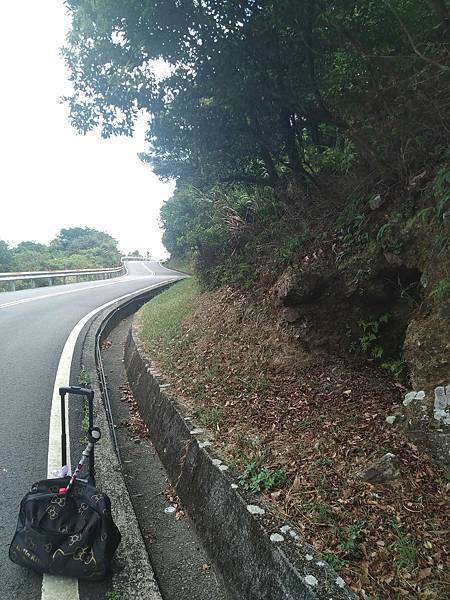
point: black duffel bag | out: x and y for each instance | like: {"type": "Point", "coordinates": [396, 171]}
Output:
{"type": "Point", "coordinates": [71, 535]}
{"type": "Point", "coordinates": [65, 525]}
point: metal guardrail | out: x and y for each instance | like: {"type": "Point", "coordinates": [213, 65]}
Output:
{"type": "Point", "coordinates": [134, 257]}
{"type": "Point", "coordinates": [9, 280]}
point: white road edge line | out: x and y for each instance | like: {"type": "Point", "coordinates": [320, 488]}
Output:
{"type": "Point", "coordinates": [55, 588]}
{"type": "Point", "coordinates": [148, 269]}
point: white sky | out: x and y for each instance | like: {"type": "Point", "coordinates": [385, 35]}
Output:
{"type": "Point", "coordinates": [51, 177]}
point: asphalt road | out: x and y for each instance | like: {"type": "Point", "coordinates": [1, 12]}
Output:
{"type": "Point", "coordinates": [34, 325]}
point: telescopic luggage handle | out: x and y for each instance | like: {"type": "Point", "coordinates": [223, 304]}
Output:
{"type": "Point", "coordinates": [89, 394]}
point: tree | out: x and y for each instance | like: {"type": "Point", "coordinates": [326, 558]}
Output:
{"type": "Point", "coordinates": [5, 257]}
{"type": "Point", "coordinates": [97, 246]}
{"type": "Point", "coordinates": [252, 84]}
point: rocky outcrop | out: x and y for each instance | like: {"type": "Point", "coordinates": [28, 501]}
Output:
{"type": "Point", "coordinates": [384, 470]}
{"type": "Point", "coordinates": [427, 348]}
{"type": "Point", "coordinates": [426, 418]}
{"type": "Point", "coordinates": [326, 300]}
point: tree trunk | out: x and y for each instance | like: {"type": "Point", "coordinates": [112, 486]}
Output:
{"type": "Point", "coordinates": [291, 145]}
{"type": "Point", "coordinates": [264, 150]}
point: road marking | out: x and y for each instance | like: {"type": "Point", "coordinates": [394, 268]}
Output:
{"type": "Point", "coordinates": [55, 588]}
{"type": "Point", "coordinates": [149, 270]}
{"type": "Point", "coordinates": [91, 287]}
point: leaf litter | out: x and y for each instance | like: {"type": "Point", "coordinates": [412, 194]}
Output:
{"type": "Point", "coordinates": [322, 419]}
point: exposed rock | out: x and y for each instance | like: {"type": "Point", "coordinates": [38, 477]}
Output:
{"type": "Point", "coordinates": [255, 510]}
{"type": "Point", "coordinates": [427, 349]}
{"type": "Point", "coordinates": [391, 419]}
{"type": "Point", "coordinates": [302, 287]}
{"type": "Point", "coordinates": [376, 202]}
{"type": "Point", "coordinates": [311, 580]}
{"type": "Point", "coordinates": [290, 314]}
{"type": "Point", "coordinates": [426, 417]}
{"type": "Point", "coordinates": [383, 470]}
{"type": "Point", "coordinates": [442, 405]}
{"type": "Point", "coordinates": [413, 396]}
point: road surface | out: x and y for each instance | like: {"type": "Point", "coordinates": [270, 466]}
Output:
{"type": "Point", "coordinates": [34, 326]}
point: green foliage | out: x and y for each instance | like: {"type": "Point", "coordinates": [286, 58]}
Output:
{"type": "Point", "coordinates": [162, 316]}
{"type": "Point", "coordinates": [115, 596]}
{"type": "Point", "coordinates": [261, 479]}
{"type": "Point", "coordinates": [441, 291]}
{"type": "Point", "coordinates": [334, 561]}
{"type": "Point", "coordinates": [369, 342]}
{"type": "Point", "coordinates": [252, 91]}
{"type": "Point", "coordinates": [406, 550]}
{"type": "Point", "coordinates": [423, 215]}
{"type": "Point", "coordinates": [95, 247]}
{"type": "Point", "coordinates": [398, 368]}
{"type": "Point", "coordinates": [223, 232]}
{"type": "Point", "coordinates": [441, 188]}
{"type": "Point", "coordinates": [5, 257]}
{"type": "Point", "coordinates": [389, 235]}
{"type": "Point", "coordinates": [84, 378]}
{"type": "Point", "coordinates": [209, 417]}
{"type": "Point", "coordinates": [260, 93]}
{"type": "Point", "coordinates": [252, 459]}
{"type": "Point", "coordinates": [73, 248]}
{"type": "Point", "coordinates": [350, 224]}
{"type": "Point", "coordinates": [289, 247]}
{"type": "Point", "coordinates": [339, 159]}
{"type": "Point", "coordinates": [352, 542]}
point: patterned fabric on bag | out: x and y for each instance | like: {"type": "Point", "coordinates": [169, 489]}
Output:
{"type": "Point", "coordinates": [71, 535]}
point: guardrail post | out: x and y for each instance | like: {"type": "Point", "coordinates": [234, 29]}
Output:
{"type": "Point", "coordinates": [12, 286]}
{"type": "Point", "coordinates": [50, 281]}
{"type": "Point", "coordinates": [33, 283]}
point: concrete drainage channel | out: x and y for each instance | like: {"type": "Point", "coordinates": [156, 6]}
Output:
{"type": "Point", "coordinates": [257, 554]}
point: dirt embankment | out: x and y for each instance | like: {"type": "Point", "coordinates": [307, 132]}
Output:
{"type": "Point", "coordinates": [304, 419]}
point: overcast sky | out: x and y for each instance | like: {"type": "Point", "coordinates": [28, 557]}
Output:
{"type": "Point", "coordinates": [51, 177]}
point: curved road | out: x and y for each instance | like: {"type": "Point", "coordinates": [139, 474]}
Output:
{"type": "Point", "coordinates": [34, 326]}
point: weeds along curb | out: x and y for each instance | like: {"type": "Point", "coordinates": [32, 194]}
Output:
{"type": "Point", "coordinates": [134, 577]}
{"type": "Point", "coordinates": [257, 553]}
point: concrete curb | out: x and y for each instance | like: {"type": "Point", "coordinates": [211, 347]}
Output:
{"type": "Point", "coordinates": [133, 577]}
{"type": "Point", "coordinates": [258, 554]}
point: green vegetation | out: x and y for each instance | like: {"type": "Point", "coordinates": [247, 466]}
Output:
{"type": "Point", "coordinates": [441, 291]}
{"type": "Point", "coordinates": [369, 343]}
{"type": "Point", "coordinates": [398, 367]}
{"type": "Point", "coordinates": [405, 548]}
{"type": "Point", "coordinates": [161, 318]}
{"type": "Point", "coordinates": [261, 479]}
{"type": "Point", "coordinates": [208, 417]}
{"type": "Point", "coordinates": [334, 561]}
{"type": "Point", "coordinates": [268, 110]}
{"type": "Point", "coordinates": [441, 188]}
{"type": "Point", "coordinates": [84, 378]}
{"type": "Point", "coordinates": [309, 145]}
{"type": "Point", "coordinates": [351, 543]}
{"type": "Point", "coordinates": [115, 596]}
{"type": "Point", "coordinates": [73, 248]}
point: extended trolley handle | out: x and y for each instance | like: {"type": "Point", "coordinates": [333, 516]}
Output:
{"type": "Point", "coordinates": [89, 394]}
{"type": "Point", "coordinates": [94, 436]}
